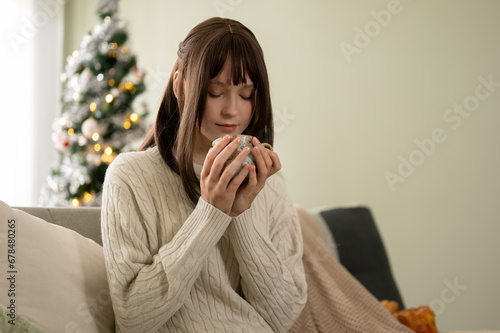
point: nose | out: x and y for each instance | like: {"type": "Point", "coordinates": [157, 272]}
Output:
{"type": "Point", "coordinates": [230, 107]}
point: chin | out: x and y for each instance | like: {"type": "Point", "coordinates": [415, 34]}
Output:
{"type": "Point", "coordinates": [213, 136]}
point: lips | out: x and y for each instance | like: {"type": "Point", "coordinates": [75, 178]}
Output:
{"type": "Point", "coordinates": [227, 127]}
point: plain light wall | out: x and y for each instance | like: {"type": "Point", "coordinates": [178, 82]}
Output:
{"type": "Point", "coordinates": [372, 103]}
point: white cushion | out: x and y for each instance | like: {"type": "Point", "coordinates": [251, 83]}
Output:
{"type": "Point", "coordinates": [59, 279]}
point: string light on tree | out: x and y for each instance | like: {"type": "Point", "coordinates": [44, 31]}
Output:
{"type": "Point", "coordinates": [75, 202]}
{"type": "Point", "coordinates": [134, 117]}
{"type": "Point", "coordinates": [87, 198]}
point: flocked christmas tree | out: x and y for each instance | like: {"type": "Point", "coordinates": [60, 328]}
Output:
{"type": "Point", "coordinates": [100, 115]}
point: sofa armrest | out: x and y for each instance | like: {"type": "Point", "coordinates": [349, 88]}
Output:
{"type": "Point", "coordinates": [84, 220]}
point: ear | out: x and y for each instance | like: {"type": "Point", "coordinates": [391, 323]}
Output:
{"type": "Point", "coordinates": [177, 81]}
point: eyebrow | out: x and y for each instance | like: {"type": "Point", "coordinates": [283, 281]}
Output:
{"type": "Point", "coordinates": [220, 83]}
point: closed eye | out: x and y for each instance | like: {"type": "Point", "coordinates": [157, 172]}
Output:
{"type": "Point", "coordinates": [214, 95]}
{"type": "Point", "coordinates": [249, 98]}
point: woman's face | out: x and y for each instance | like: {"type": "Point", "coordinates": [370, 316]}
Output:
{"type": "Point", "coordinates": [228, 108]}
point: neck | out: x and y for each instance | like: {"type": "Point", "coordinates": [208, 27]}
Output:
{"type": "Point", "coordinates": [200, 149]}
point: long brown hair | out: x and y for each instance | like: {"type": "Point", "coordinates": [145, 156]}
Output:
{"type": "Point", "coordinates": [200, 58]}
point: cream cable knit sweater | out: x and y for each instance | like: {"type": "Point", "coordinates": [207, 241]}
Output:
{"type": "Point", "coordinates": [172, 268]}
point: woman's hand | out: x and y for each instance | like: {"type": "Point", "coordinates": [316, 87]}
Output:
{"type": "Point", "coordinates": [227, 193]}
{"type": "Point", "coordinates": [219, 188]}
{"type": "Point", "coordinates": [267, 164]}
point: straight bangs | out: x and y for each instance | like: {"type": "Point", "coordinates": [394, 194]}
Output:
{"type": "Point", "coordinates": [236, 49]}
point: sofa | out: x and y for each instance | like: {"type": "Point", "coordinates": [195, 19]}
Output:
{"type": "Point", "coordinates": [49, 254]}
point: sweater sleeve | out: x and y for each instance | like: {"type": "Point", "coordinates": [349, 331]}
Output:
{"type": "Point", "coordinates": [147, 287]}
{"type": "Point", "coordinates": [272, 274]}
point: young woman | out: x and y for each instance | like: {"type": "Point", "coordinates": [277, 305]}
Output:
{"type": "Point", "coordinates": [189, 247]}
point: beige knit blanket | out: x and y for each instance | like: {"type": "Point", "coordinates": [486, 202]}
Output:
{"type": "Point", "coordinates": [336, 301]}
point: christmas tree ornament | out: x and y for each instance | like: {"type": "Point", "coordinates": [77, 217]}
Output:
{"type": "Point", "coordinates": [90, 127]}
{"type": "Point", "coordinates": [101, 116]}
{"type": "Point", "coordinates": [61, 141]}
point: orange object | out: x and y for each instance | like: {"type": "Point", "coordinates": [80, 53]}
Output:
{"type": "Point", "coordinates": [391, 306]}
{"type": "Point", "coordinates": [419, 320]}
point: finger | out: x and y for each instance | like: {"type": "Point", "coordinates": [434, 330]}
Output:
{"type": "Point", "coordinates": [207, 164]}
{"type": "Point", "coordinates": [235, 165]}
{"type": "Point", "coordinates": [252, 177]}
{"type": "Point", "coordinates": [276, 166]}
{"type": "Point", "coordinates": [265, 152]}
{"type": "Point", "coordinates": [221, 158]}
{"type": "Point", "coordinates": [240, 177]}
{"type": "Point", "coordinates": [263, 167]}
{"type": "Point", "coordinates": [212, 154]}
